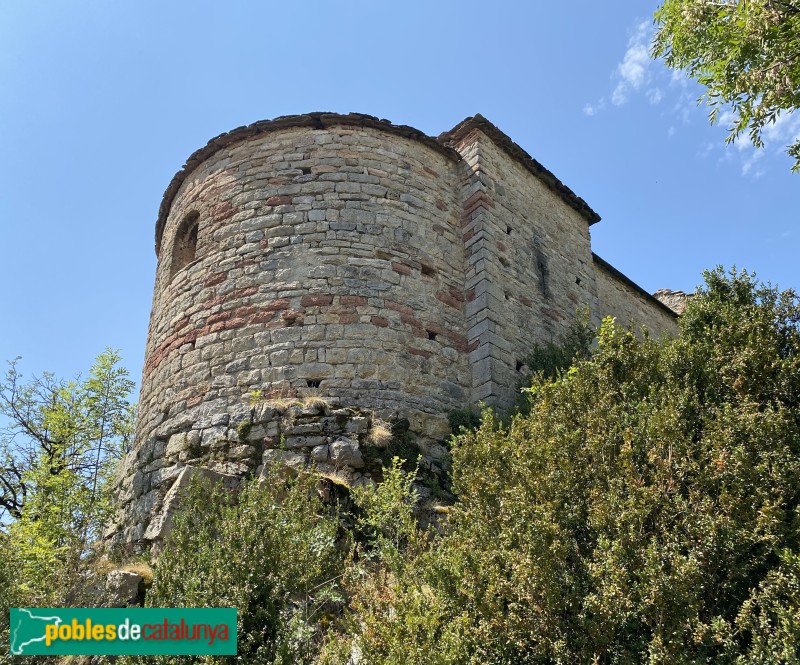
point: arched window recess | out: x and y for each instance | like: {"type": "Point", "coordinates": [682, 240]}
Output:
{"type": "Point", "coordinates": [184, 247]}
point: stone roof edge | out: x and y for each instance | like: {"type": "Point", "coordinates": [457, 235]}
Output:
{"type": "Point", "coordinates": [597, 260]}
{"type": "Point", "coordinates": [502, 140]}
{"type": "Point", "coordinates": [316, 120]}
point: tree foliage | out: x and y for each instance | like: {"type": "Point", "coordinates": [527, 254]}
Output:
{"type": "Point", "coordinates": [53, 426]}
{"type": "Point", "coordinates": [746, 53]}
{"type": "Point", "coordinates": [59, 447]}
{"type": "Point", "coordinates": [271, 551]}
{"type": "Point", "coordinates": [645, 511]}
{"type": "Point", "coordinates": [552, 358]}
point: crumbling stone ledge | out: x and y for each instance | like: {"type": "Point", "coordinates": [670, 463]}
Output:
{"type": "Point", "coordinates": [240, 442]}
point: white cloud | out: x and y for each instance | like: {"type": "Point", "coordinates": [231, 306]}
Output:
{"type": "Point", "coordinates": [725, 119]}
{"type": "Point", "coordinates": [654, 95]}
{"type": "Point", "coordinates": [636, 75]}
{"type": "Point", "coordinates": [685, 107]}
{"type": "Point", "coordinates": [776, 137]}
{"type": "Point", "coordinates": [594, 109]}
{"type": "Point", "coordinates": [778, 134]}
{"type": "Point", "coordinates": [619, 96]}
{"type": "Point", "coordinates": [750, 163]}
{"type": "Point", "coordinates": [785, 130]}
{"type": "Point", "coordinates": [637, 72]}
{"type": "Point", "coordinates": [680, 78]}
{"type": "Point", "coordinates": [633, 72]}
{"type": "Point", "coordinates": [705, 149]}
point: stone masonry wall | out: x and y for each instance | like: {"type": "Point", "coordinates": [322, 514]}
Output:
{"type": "Point", "coordinates": [344, 257]}
{"type": "Point", "coordinates": [327, 259]}
{"type": "Point", "coordinates": [231, 443]}
{"type": "Point", "coordinates": [530, 270]}
{"type": "Point", "coordinates": [625, 302]}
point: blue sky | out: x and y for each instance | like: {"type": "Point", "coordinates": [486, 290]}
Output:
{"type": "Point", "coordinates": [101, 102]}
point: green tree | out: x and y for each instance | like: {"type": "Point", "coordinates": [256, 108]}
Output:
{"type": "Point", "coordinates": [57, 425]}
{"type": "Point", "coordinates": [647, 509]}
{"type": "Point", "coordinates": [60, 446]}
{"type": "Point", "coordinates": [8, 595]}
{"type": "Point", "coordinates": [746, 53]}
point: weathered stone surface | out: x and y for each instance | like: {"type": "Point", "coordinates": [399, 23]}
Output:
{"type": "Point", "coordinates": [357, 425]}
{"type": "Point", "coordinates": [177, 443]}
{"type": "Point", "coordinates": [116, 588]}
{"type": "Point", "coordinates": [256, 432]}
{"type": "Point", "coordinates": [321, 453]}
{"type": "Point", "coordinates": [345, 452]}
{"type": "Point", "coordinates": [161, 524]}
{"type": "Point", "coordinates": [122, 588]}
{"type": "Point", "coordinates": [294, 460]}
{"type": "Point", "coordinates": [675, 300]}
{"type": "Point", "coordinates": [303, 441]}
{"type": "Point", "coordinates": [357, 264]}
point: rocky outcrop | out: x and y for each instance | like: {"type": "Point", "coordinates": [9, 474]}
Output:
{"type": "Point", "coordinates": [242, 442]}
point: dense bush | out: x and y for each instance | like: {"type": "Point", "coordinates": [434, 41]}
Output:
{"type": "Point", "coordinates": [8, 596]}
{"type": "Point", "coordinates": [467, 419]}
{"type": "Point", "coordinates": [645, 511]}
{"type": "Point", "coordinates": [270, 550]}
{"type": "Point", "coordinates": [552, 358]}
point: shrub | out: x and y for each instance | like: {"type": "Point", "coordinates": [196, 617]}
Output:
{"type": "Point", "coordinates": [464, 419]}
{"type": "Point", "coordinates": [270, 551]}
{"type": "Point", "coordinates": [552, 358]}
{"type": "Point", "coordinates": [645, 511]}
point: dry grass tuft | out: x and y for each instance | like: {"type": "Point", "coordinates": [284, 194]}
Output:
{"type": "Point", "coordinates": [380, 435]}
{"type": "Point", "coordinates": [316, 402]}
{"type": "Point", "coordinates": [104, 567]}
{"type": "Point", "coordinates": [140, 568]}
{"type": "Point", "coordinates": [282, 404]}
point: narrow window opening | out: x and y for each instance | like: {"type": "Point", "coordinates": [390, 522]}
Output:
{"type": "Point", "coordinates": [520, 365]}
{"type": "Point", "coordinates": [313, 383]}
{"type": "Point", "coordinates": [540, 265]}
{"type": "Point", "coordinates": [305, 170]}
{"type": "Point", "coordinates": [508, 230]}
{"type": "Point", "coordinates": [578, 281]}
{"type": "Point", "coordinates": [505, 294]}
{"type": "Point", "coordinates": [184, 247]}
{"type": "Point", "coordinates": [431, 334]}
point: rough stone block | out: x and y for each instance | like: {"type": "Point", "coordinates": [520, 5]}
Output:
{"type": "Point", "coordinates": [161, 525]}
{"type": "Point", "coordinates": [345, 452]}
